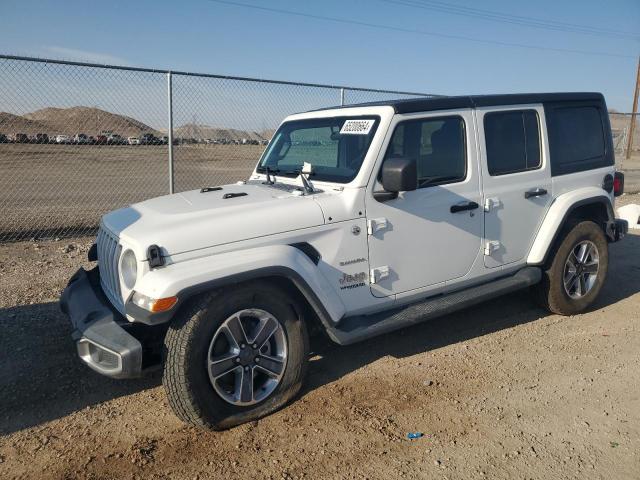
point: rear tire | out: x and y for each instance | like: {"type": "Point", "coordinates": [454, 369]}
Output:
{"type": "Point", "coordinates": [576, 270]}
{"type": "Point", "coordinates": [204, 384]}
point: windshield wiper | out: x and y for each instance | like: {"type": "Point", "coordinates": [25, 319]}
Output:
{"type": "Point", "coordinates": [296, 172]}
{"type": "Point", "coordinates": [269, 181]}
{"type": "Point", "coordinates": [306, 185]}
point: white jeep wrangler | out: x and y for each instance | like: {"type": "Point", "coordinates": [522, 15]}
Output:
{"type": "Point", "coordinates": [356, 221]}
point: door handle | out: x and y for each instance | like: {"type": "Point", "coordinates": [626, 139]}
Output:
{"type": "Point", "coordinates": [536, 192]}
{"type": "Point", "coordinates": [462, 207]}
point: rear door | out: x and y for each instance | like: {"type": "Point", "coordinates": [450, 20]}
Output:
{"type": "Point", "coordinates": [516, 178]}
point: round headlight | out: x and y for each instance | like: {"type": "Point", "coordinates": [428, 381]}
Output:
{"type": "Point", "coordinates": [129, 268]}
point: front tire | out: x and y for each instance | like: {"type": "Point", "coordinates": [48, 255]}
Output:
{"type": "Point", "coordinates": [233, 356]}
{"type": "Point", "coordinates": [577, 270]}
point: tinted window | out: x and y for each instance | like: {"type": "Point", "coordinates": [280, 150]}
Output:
{"type": "Point", "coordinates": [437, 145]}
{"type": "Point", "coordinates": [335, 154]}
{"type": "Point", "coordinates": [581, 135]}
{"type": "Point", "coordinates": [513, 141]}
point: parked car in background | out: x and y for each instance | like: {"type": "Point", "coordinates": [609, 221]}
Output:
{"type": "Point", "coordinates": [91, 140]}
{"type": "Point", "coordinates": [3, 138]}
{"type": "Point", "coordinates": [149, 139]}
{"type": "Point", "coordinates": [164, 140]}
{"type": "Point", "coordinates": [81, 139]}
{"type": "Point", "coordinates": [63, 139]}
{"type": "Point", "coordinates": [116, 139]}
{"type": "Point", "coordinates": [20, 138]}
{"type": "Point", "coordinates": [41, 138]}
{"type": "Point", "coordinates": [133, 141]}
{"type": "Point", "coordinates": [101, 140]}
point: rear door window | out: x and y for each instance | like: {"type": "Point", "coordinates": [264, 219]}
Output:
{"type": "Point", "coordinates": [513, 141]}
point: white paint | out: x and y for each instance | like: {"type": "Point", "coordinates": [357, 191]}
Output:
{"type": "Point", "coordinates": [413, 245]}
{"type": "Point", "coordinates": [513, 220]}
{"type": "Point", "coordinates": [423, 243]}
{"type": "Point", "coordinates": [555, 216]}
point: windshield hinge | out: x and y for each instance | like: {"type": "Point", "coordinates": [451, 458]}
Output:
{"type": "Point", "coordinates": [376, 224]}
{"type": "Point", "coordinates": [378, 273]}
{"type": "Point", "coordinates": [490, 247]}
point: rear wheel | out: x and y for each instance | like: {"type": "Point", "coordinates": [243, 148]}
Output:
{"type": "Point", "coordinates": [235, 356]}
{"type": "Point", "coordinates": [577, 270]}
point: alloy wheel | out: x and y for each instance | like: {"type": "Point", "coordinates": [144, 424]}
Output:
{"type": "Point", "coordinates": [247, 357]}
{"type": "Point", "coordinates": [581, 269]}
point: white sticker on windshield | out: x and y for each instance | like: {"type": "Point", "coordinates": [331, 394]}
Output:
{"type": "Point", "coordinates": [357, 127]}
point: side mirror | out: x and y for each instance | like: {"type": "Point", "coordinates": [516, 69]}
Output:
{"type": "Point", "coordinates": [398, 175]}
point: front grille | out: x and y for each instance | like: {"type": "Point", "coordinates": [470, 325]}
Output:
{"type": "Point", "coordinates": [108, 260]}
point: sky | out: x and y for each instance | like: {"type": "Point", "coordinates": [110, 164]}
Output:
{"type": "Point", "coordinates": [448, 47]}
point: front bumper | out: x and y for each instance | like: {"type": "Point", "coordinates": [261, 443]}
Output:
{"type": "Point", "coordinates": [101, 341]}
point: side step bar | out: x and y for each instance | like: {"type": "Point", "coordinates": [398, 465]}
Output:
{"type": "Point", "coordinates": [354, 329]}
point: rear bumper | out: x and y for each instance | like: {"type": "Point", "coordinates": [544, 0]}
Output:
{"type": "Point", "coordinates": [101, 341]}
{"type": "Point", "coordinates": [617, 229]}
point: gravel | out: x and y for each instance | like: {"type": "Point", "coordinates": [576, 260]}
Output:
{"type": "Point", "coordinates": [502, 390]}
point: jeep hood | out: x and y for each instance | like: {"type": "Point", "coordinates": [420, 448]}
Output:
{"type": "Point", "coordinates": [192, 220]}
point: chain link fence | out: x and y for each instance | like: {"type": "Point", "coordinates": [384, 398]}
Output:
{"type": "Point", "coordinates": [78, 140]}
{"type": "Point", "coordinates": [627, 149]}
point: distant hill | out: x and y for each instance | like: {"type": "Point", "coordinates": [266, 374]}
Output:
{"type": "Point", "coordinates": [201, 132]}
{"type": "Point", "coordinates": [267, 134]}
{"type": "Point", "coordinates": [94, 121]}
{"type": "Point", "coordinates": [88, 120]}
{"type": "Point", "coordinates": [11, 124]}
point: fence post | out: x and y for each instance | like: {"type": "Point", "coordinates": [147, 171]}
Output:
{"type": "Point", "coordinates": [342, 97]}
{"type": "Point", "coordinates": [170, 135]}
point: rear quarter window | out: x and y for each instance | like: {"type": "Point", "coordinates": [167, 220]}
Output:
{"type": "Point", "coordinates": [579, 137]}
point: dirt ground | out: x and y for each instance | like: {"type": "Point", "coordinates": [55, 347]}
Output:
{"type": "Point", "coordinates": [51, 190]}
{"type": "Point", "coordinates": [502, 390]}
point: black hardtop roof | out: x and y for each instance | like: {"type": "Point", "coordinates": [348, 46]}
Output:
{"type": "Point", "coordinates": [471, 101]}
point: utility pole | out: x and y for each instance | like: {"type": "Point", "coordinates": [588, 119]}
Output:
{"type": "Point", "coordinates": [634, 113]}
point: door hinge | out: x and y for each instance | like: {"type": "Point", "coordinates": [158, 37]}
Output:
{"type": "Point", "coordinates": [376, 224]}
{"type": "Point", "coordinates": [491, 247]}
{"type": "Point", "coordinates": [379, 273]}
{"type": "Point", "coordinates": [490, 203]}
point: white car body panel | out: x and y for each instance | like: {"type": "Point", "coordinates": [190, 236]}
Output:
{"type": "Point", "coordinates": [435, 233]}
{"type": "Point", "coordinates": [510, 219]}
{"type": "Point", "coordinates": [204, 237]}
{"type": "Point", "coordinates": [162, 283]}
{"type": "Point", "coordinates": [556, 215]}
{"type": "Point", "coordinates": [192, 220]}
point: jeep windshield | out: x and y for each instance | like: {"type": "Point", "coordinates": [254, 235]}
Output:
{"type": "Point", "coordinates": [335, 147]}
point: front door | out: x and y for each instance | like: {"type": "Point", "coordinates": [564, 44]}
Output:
{"type": "Point", "coordinates": [516, 180]}
{"type": "Point", "coordinates": [433, 234]}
